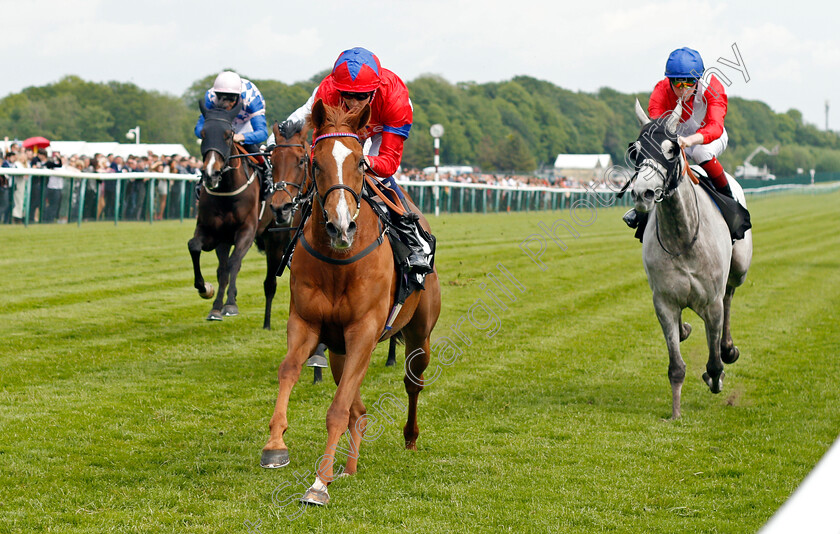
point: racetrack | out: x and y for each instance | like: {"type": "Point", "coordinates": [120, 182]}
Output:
{"type": "Point", "coordinates": [123, 410]}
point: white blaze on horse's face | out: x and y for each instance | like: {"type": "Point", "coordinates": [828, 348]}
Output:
{"type": "Point", "coordinates": [342, 212]}
{"type": "Point", "coordinates": [210, 171]}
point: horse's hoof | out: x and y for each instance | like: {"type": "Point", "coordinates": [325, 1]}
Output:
{"type": "Point", "coordinates": [272, 459]}
{"type": "Point", "coordinates": [208, 291]}
{"type": "Point", "coordinates": [230, 310]}
{"type": "Point", "coordinates": [316, 497]}
{"type": "Point", "coordinates": [685, 331]}
{"type": "Point", "coordinates": [317, 360]}
{"type": "Point", "coordinates": [391, 362]}
{"type": "Point", "coordinates": [715, 386]}
{"type": "Point", "coordinates": [215, 315]}
{"type": "Point", "coordinates": [731, 355]}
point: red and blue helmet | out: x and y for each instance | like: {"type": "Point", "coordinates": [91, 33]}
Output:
{"type": "Point", "coordinates": [684, 63]}
{"type": "Point", "coordinates": [356, 71]}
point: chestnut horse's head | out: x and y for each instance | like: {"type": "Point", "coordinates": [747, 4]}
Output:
{"type": "Point", "coordinates": [338, 167]}
{"type": "Point", "coordinates": [216, 141]}
{"type": "Point", "coordinates": [289, 164]}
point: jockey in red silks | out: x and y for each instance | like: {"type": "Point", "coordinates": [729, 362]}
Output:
{"type": "Point", "coordinates": [358, 79]}
{"type": "Point", "coordinates": [700, 131]}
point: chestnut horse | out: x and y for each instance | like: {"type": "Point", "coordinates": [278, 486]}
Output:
{"type": "Point", "coordinates": [289, 162]}
{"type": "Point", "coordinates": [343, 283]}
{"type": "Point", "coordinates": [228, 209]}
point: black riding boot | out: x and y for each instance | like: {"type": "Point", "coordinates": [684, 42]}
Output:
{"type": "Point", "coordinates": [406, 226]}
{"type": "Point", "coordinates": [726, 191]}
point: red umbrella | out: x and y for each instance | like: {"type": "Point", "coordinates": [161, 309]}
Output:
{"type": "Point", "coordinates": [40, 142]}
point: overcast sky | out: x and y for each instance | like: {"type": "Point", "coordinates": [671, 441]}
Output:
{"type": "Point", "coordinates": [791, 50]}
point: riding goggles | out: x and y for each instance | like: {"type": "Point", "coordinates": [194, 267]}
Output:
{"type": "Point", "coordinates": [356, 96]}
{"type": "Point", "coordinates": [683, 82]}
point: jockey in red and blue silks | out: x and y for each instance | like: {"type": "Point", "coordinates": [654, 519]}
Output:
{"type": "Point", "coordinates": [700, 131]}
{"type": "Point", "coordinates": [357, 79]}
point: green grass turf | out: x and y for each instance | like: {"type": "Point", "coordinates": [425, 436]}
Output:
{"type": "Point", "coordinates": [123, 410]}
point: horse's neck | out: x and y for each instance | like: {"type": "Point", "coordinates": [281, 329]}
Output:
{"type": "Point", "coordinates": [677, 214]}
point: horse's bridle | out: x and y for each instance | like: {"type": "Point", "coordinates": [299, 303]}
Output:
{"type": "Point", "coordinates": [323, 199]}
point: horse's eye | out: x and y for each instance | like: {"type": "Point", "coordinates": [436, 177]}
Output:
{"type": "Point", "coordinates": [302, 162]}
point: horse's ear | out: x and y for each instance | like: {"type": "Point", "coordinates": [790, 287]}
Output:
{"type": "Point", "coordinates": [201, 106]}
{"type": "Point", "coordinates": [641, 115]}
{"type": "Point", "coordinates": [319, 114]}
{"type": "Point", "coordinates": [275, 128]}
{"type": "Point", "coordinates": [674, 119]}
{"type": "Point", "coordinates": [362, 118]}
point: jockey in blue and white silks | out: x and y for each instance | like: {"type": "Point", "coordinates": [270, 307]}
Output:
{"type": "Point", "coordinates": [250, 122]}
{"type": "Point", "coordinates": [249, 125]}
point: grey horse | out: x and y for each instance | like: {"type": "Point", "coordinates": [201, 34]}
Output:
{"type": "Point", "coordinates": [689, 257]}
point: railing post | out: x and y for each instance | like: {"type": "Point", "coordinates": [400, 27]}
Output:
{"type": "Point", "coordinates": [117, 203]}
{"type": "Point", "coordinates": [82, 189]}
{"type": "Point", "coordinates": [150, 194]}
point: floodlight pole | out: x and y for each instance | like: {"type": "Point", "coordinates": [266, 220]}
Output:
{"type": "Point", "coordinates": [437, 132]}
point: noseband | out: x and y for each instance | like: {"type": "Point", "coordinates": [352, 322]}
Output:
{"type": "Point", "coordinates": [323, 199]}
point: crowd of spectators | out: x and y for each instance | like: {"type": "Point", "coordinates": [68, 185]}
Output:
{"type": "Point", "coordinates": [496, 179]}
{"type": "Point", "coordinates": [55, 198]}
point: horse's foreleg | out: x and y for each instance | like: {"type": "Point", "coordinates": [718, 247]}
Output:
{"type": "Point", "coordinates": [242, 244]}
{"type": "Point", "coordinates": [360, 344]}
{"type": "Point", "coordinates": [195, 245]}
{"type": "Point", "coordinates": [729, 353]}
{"type": "Point", "coordinates": [670, 318]}
{"type": "Point", "coordinates": [714, 325]}
{"type": "Point", "coordinates": [222, 251]}
{"type": "Point", "coordinates": [356, 427]}
{"type": "Point", "coordinates": [302, 341]}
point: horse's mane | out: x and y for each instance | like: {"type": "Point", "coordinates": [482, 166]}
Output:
{"type": "Point", "coordinates": [288, 129]}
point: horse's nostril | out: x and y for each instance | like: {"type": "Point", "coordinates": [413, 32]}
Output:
{"type": "Point", "coordinates": [351, 228]}
{"type": "Point", "coordinates": [332, 231]}
{"type": "Point", "coordinates": [649, 194]}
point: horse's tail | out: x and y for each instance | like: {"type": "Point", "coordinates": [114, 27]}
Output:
{"type": "Point", "coordinates": [260, 242]}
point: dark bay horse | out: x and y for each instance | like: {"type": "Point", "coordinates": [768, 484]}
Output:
{"type": "Point", "coordinates": [688, 253]}
{"type": "Point", "coordinates": [228, 209]}
{"type": "Point", "coordinates": [289, 163]}
{"type": "Point", "coordinates": [342, 291]}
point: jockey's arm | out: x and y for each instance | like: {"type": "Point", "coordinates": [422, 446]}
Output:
{"type": "Point", "coordinates": [390, 155]}
{"type": "Point", "coordinates": [199, 125]}
{"type": "Point", "coordinates": [259, 133]}
{"type": "Point", "coordinates": [299, 115]}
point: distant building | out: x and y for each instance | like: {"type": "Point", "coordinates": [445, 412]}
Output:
{"type": "Point", "coordinates": [582, 167]}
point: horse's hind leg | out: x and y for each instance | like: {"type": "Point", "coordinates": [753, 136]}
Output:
{"type": "Point", "coordinates": [416, 360]}
{"type": "Point", "coordinates": [273, 253]}
{"type": "Point", "coordinates": [670, 320]}
{"type": "Point", "coordinates": [713, 318]}
{"type": "Point", "coordinates": [729, 353]}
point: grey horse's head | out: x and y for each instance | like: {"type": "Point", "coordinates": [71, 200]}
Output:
{"type": "Point", "coordinates": [655, 155]}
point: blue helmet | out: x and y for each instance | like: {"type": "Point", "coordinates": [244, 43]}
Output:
{"type": "Point", "coordinates": [684, 63]}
